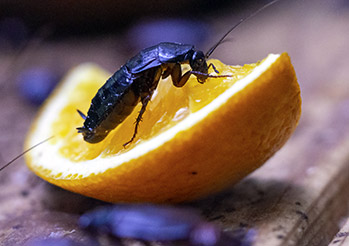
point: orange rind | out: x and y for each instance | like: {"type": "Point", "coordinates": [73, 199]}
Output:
{"type": "Point", "coordinates": [192, 142]}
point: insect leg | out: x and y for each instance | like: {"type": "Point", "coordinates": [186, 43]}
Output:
{"type": "Point", "coordinates": [177, 78]}
{"type": "Point", "coordinates": [167, 70]}
{"type": "Point", "coordinates": [144, 101]}
{"type": "Point", "coordinates": [213, 67]}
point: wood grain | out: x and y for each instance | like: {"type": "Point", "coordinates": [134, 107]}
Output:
{"type": "Point", "coordinates": [342, 237]}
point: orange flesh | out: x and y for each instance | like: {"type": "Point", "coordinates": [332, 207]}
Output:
{"type": "Point", "coordinates": [168, 106]}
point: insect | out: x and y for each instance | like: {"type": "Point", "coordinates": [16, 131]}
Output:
{"type": "Point", "coordinates": [162, 223]}
{"type": "Point", "coordinates": [100, 108]}
{"type": "Point", "coordinates": [147, 223]}
{"type": "Point", "coordinates": [188, 226]}
{"type": "Point", "coordinates": [137, 80]}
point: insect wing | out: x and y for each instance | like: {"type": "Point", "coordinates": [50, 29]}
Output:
{"type": "Point", "coordinates": [174, 52]}
{"type": "Point", "coordinates": [159, 54]}
{"type": "Point", "coordinates": [146, 59]}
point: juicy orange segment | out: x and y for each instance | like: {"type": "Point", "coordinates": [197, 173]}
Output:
{"type": "Point", "coordinates": [193, 141]}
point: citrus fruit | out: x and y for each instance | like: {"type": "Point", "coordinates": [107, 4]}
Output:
{"type": "Point", "coordinates": [193, 141]}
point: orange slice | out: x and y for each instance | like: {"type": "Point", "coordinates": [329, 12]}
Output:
{"type": "Point", "coordinates": [193, 141]}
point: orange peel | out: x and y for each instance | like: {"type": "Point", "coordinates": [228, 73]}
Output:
{"type": "Point", "coordinates": [193, 141]}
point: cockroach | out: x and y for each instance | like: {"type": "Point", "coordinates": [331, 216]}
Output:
{"type": "Point", "coordinates": [137, 80]}
{"type": "Point", "coordinates": [167, 225]}
{"type": "Point", "coordinates": [149, 222]}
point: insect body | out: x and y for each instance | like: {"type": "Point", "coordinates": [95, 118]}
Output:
{"type": "Point", "coordinates": [138, 78]}
{"type": "Point", "coordinates": [136, 81]}
{"type": "Point", "coordinates": [148, 223]}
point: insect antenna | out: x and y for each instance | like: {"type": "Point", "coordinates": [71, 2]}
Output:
{"type": "Point", "coordinates": [24, 152]}
{"type": "Point", "coordinates": [210, 51]}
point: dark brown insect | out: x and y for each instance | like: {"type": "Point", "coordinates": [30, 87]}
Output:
{"type": "Point", "coordinates": [148, 222]}
{"type": "Point", "coordinates": [136, 81]}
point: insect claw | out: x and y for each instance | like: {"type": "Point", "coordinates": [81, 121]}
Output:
{"type": "Point", "coordinates": [82, 115]}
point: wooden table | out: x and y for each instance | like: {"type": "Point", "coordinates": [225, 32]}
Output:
{"type": "Point", "coordinates": [299, 197]}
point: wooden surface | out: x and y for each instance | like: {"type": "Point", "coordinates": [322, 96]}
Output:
{"type": "Point", "coordinates": [342, 237]}
{"type": "Point", "coordinates": [299, 197]}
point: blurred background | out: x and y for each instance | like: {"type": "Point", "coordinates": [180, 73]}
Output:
{"type": "Point", "coordinates": [46, 40]}
{"type": "Point", "coordinates": [41, 41]}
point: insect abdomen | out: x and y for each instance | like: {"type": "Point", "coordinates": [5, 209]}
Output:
{"type": "Point", "coordinates": [114, 101]}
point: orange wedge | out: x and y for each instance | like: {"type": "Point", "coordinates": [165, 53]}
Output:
{"type": "Point", "coordinates": [193, 141]}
